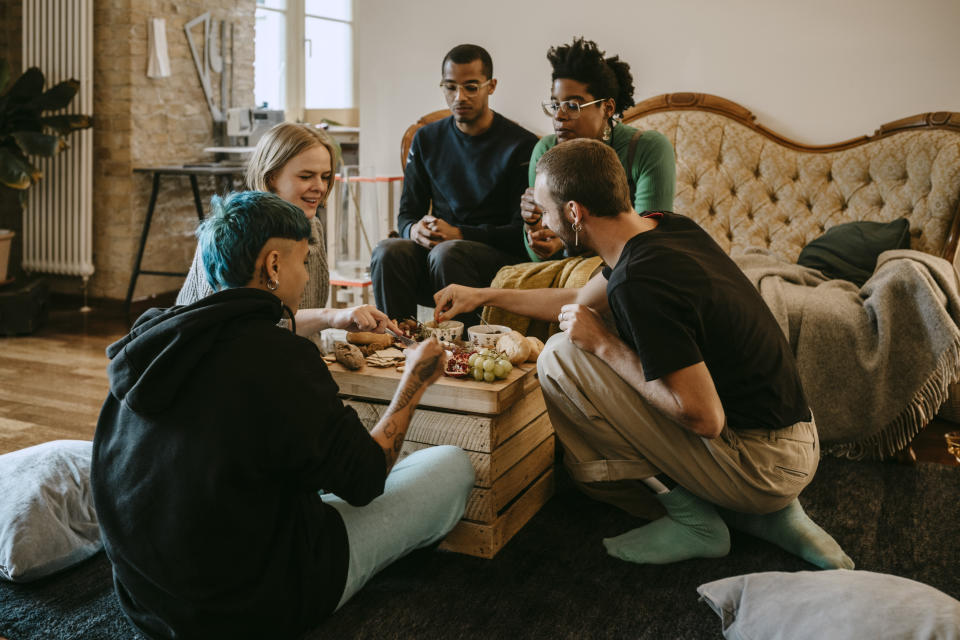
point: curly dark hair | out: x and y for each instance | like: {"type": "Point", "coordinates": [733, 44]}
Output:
{"type": "Point", "coordinates": [605, 77]}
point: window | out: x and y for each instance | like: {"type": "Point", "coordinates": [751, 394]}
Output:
{"type": "Point", "coordinates": [328, 32]}
{"type": "Point", "coordinates": [318, 75]}
{"type": "Point", "coordinates": [269, 72]}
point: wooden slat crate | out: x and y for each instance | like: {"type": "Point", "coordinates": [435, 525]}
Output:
{"type": "Point", "coordinates": [510, 443]}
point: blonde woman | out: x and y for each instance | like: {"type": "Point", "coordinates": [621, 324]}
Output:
{"type": "Point", "coordinates": [296, 162]}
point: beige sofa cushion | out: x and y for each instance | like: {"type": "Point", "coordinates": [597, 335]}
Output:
{"type": "Point", "coordinates": [748, 189]}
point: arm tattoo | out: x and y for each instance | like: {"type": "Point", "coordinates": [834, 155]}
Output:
{"type": "Point", "coordinates": [392, 430]}
{"type": "Point", "coordinates": [391, 448]}
{"type": "Point", "coordinates": [425, 369]}
{"type": "Point", "coordinates": [420, 374]}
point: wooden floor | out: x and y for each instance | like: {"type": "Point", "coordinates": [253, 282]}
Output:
{"type": "Point", "coordinates": [52, 383]}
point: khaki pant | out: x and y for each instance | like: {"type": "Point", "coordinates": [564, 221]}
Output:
{"type": "Point", "coordinates": [613, 439]}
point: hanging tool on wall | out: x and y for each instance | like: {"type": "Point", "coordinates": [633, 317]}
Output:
{"type": "Point", "coordinates": [210, 60]}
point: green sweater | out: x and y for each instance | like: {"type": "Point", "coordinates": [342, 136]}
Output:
{"type": "Point", "coordinates": [652, 177]}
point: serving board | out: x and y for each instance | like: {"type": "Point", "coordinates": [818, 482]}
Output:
{"type": "Point", "coordinates": [453, 394]}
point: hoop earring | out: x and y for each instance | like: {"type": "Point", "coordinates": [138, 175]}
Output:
{"type": "Point", "coordinates": [273, 284]}
{"type": "Point", "coordinates": [606, 132]}
{"type": "Point", "coordinates": [577, 228]}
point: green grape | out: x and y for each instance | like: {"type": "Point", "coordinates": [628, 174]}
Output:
{"type": "Point", "coordinates": [473, 358]}
{"type": "Point", "coordinates": [489, 376]}
{"type": "Point", "coordinates": [478, 374]}
{"type": "Point", "coordinates": [489, 364]}
{"type": "Point", "coordinates": [499, 370]}
{"type": "Point", "coordinates": [507, 367]}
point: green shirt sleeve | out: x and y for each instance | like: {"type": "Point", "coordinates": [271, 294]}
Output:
{"type": "Point", "coordinates": [654, 173]}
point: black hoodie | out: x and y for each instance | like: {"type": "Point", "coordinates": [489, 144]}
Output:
{"type": "Point", "coordinates": [218, 432]}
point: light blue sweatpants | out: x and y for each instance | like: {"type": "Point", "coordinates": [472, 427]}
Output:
{"type": "Point", "coordinates": [423, 499]}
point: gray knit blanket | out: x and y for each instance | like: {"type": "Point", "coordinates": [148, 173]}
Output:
{"type": "Point", "coordinates": [875, 362]}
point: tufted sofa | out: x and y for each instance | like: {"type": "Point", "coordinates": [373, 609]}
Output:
{"type": "Point", "coordinates": [750, 187]}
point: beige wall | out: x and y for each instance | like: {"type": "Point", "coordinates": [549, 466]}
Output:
{"type": "Point", "coordinates": [819, 71]}
{"type": "Point", "coordinates": [141, 121]}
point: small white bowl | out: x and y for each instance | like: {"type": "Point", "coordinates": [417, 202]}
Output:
{"type": "Point", "coordinates": [448, 330]}
{"type": "Point", "coordinates": [486, 335]}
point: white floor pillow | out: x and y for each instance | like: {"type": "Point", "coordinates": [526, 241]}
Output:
{"type": "Point", "coordinates": [47, 520]}
{"type": "Point", "coordinates": [837, 604]}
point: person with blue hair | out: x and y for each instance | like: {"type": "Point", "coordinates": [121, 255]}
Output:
{"type": "Point", "coordinates": [296, 162]}
{"type": "Point", "coordinates": [237, 495]}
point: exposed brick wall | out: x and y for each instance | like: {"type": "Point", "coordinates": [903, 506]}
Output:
{"type": "Point", "coordinates": [143, 121]}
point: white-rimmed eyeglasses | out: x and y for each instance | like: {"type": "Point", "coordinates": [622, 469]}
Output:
{"type": "Point", "coordinates": [571, 108]}
{"type": "Point", "coordinates": [470, 88]}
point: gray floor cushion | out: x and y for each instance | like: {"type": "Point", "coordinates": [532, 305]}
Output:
{"type": "Point", "coordinates": [831, 604]}
{"type": "Point", "coordinates": [47, 519]}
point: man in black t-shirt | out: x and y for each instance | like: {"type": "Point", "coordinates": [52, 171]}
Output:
{"type": "Point", "coordinates": [697, 404]}
{"type": "Point", "coordinates": [459, 217]}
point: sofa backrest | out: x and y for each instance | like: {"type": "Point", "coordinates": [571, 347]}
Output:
{"type": "Point", "coordinates": [750, 187]}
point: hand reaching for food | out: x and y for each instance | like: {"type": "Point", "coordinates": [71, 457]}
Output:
{"type": "Point", "coordinates": [425, 362]}
{"type": "Point", "coordinates": [363, 318]}
{"type": "Point", "coordinates": [455, 299]}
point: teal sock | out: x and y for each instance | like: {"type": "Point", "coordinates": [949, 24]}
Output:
{"type": "Point", "coordinates": [691, 529]}
{"type": "Point", "coordinates": [792, 529]}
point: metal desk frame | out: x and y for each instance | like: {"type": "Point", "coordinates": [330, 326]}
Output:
{"type": "Point", "coordinates": [192, 172]}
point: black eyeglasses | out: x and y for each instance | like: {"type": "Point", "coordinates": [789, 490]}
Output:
{"type": "Point", "coordinates": [570, 108]}
{"type": "Point", "coordinates": [470, 88]}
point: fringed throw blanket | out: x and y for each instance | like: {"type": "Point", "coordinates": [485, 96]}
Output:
{"type": "Point", "coordinates": [876, 361]}
{"type": "Point", "coordinates": [568, 272]}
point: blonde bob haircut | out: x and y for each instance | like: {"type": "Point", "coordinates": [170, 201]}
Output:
{"type": "Point", "coordinates": [281, 144]}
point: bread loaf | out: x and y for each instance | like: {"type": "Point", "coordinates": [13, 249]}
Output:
{"type": "Point", "coordinates": [349, 355]}
{"type": "Point", "coordinates": [536, 346]}
{"type": "Point", "coordinates": [515, 346]}
{"type": "Point", "coordinates": [369, 337]}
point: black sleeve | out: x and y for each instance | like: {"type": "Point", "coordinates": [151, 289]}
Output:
{"type": "Point", "coordinates": [658, 324]}
{"type": "Point", "coordinates": [415, 197]}
{"type": "Point", "coordinates": [507, 237]}
{"type": "Point", "coordinates": [328, 444]}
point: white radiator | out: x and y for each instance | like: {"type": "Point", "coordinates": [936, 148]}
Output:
{"type": "Point", "coordinates": [58, 218]}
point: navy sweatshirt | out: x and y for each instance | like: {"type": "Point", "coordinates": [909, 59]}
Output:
{"type": "Point", "coordinates": [218, 432]}
{"type": "Point", "coordinates": [473, 182]}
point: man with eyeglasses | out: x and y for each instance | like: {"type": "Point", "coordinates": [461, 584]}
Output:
{"type": "Point", "coordinates": [459, 219]}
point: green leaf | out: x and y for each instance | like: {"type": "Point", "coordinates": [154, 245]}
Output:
{"type": "Point", "coordinates": [4, 73]}
{"type": "Point", "coordinates": [38, 144]}
{"type": "Point", "coordinates": [16, 171]}
{"type": "Point", "coordinates": [29, 86]}
{"type": "Point", "coordinates": [58, 96]}
{"type": "Point", "coordinates": [67, 123]}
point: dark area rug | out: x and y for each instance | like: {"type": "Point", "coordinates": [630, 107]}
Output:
{"type": "Point", "coordinates": [554, 580]}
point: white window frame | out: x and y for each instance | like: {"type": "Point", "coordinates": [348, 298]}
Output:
{"type": "Point", "coordinates": [296, 48]}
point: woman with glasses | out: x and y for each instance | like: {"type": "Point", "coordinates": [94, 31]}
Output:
{"type": "Point", "coordinates": [589, 95]}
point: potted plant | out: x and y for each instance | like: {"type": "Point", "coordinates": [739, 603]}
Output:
{"type": "Point", "coordinates": [25, 131]}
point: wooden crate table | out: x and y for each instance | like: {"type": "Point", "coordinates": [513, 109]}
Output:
{"type": "Point", "coordinates": [503, 427]}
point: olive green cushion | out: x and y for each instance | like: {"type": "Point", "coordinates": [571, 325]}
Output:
{"type": "Point", "coordinates": [849, 251]}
